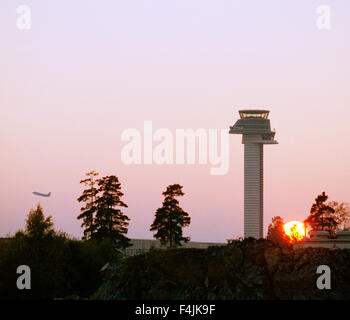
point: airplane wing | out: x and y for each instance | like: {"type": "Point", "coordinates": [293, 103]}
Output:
{"type": "Point", "coordinates": [42, 194]}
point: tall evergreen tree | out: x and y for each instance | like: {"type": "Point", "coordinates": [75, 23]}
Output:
{"type": "Point", "coordinates": [171, 218]}
{"type": "Point", "coordinates": [322, 215]}
{"type": "Point", "coordinates": [89, 197]}
{"type": "Point", "coordinates": [110, 222]}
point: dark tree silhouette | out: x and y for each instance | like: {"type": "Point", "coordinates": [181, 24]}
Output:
{"type": "Point", "coordinates": [322, 215]}
{"type": "Point", "coordinates": [88, 197]}
{"type": "Point", "coordinates": [276, 232]}
{"type": "Point", "coordinates": [110, 222]}
{"type": "Point", "coordinates": [342, 214]}
{"type": "Point", "coordinates": [171, 218]}
{"type": "Point", "coordinates": [37, 226]}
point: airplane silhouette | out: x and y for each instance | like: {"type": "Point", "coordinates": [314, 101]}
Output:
{"type": "Point", "coordinates": [42, 194]}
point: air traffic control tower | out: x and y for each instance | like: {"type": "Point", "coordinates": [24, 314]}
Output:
{"type": "Point", "coordinates": [254, 126]}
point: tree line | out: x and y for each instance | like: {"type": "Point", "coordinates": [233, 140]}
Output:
{"type": "Point", "coordinates": [60, 265]}
{"type": "Point", "coordinates": [63, 266]}
{"type": "Point", "coordinates": [331, 216]}
{"type": "Point", "coordinates": [102, 216]}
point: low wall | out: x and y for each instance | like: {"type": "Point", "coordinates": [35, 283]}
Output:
{"type": "Point", "coordinates": [321, 239]}
{"type": "Point", "coordinates": [143, 245]}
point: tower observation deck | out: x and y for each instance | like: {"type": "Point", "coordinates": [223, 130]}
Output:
{"type": "Point", "coordinates": [254, 126]}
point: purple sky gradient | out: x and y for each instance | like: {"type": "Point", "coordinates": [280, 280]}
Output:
{"type": "Point", "coordinates": [87, 70]}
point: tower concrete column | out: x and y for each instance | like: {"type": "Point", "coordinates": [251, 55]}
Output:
{"type": "Point", "coordinates": [254, 126]}
{"type": "Point", "coordinates": [253, 190]}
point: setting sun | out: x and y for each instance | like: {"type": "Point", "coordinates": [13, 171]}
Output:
{"type": "Point", "coordinates": [296, 230]}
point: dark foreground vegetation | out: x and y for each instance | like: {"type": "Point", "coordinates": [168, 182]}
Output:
{"type": "Point", "coordinates": [95, 267]}
{"type": "Point", "coordinates": [249, 269]}
{"type": "Point", "coordinates": [60, 267]}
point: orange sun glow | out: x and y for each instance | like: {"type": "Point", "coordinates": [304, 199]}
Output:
{"type": "Point", "coordinates": [296, 230]}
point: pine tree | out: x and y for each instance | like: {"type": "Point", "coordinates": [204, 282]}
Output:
{"type": "Point", "coordinates": [37, 226]}
{"type": "Point", "coordinates": [171, 218]}
{"type": "Point", "coordinates": [89, 197]}
{"type": "Point", "coordinates": [322, 215]}
{"type": "Point", "coordinates": [110, 221]}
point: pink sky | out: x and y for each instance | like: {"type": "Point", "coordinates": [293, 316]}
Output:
{"type": "Point", "coordinates": [89, 70]}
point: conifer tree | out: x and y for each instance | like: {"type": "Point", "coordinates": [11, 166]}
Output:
{"type": "Point", "coordinates": [88, 197]}
{"type": "Point", "coordinates": [110, 221]}
{"type": "Point", "coordinates": [322, 215]}
{"type": "Point", "coordinates": [171, 218]}
{"type": "Point", "coordinates": [37, 225]}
